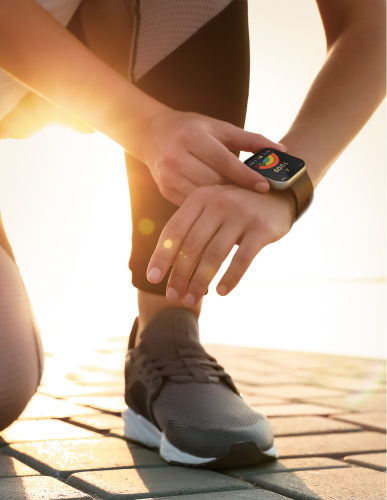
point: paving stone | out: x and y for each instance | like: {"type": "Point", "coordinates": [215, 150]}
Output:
{"type": "Point", "coordinates": [62, 458]}
{"type": "Point", "coordinates": [72, 390]}
{"type": "Point", "coordinates": [45, 407]}
{"type": "Point", "coordinates": [40, 430]}
{"type": "Point", "coordinates": [299, 392]}
{"type": "Point", "coordinates": [224, 351]}
{"type": "Point", "coordinates": [253, 399]}
{"type": "Point", "coordinates": [287, 426]}
{"type": "Point", "coordinates": [96, 378]}
{"type": "Point", "coordinates": [354, 483]}
{"type": "Point", "coordinates": [366, 384]}
{"type": "Point", "coordinates": [10, 467]}
{"type": "Point", "coordinates": [372, 421]}
{"type": "Point", "coordinates": [294, 409]}
{"type": "Point", "coordinates": [38, 488]}
{"type": "Point", "coordinates": [254, 370]}
{"type": "Point", "coordinates": [345, 367]}
{"type": "Point", "coordinates": [287, 465]}
{"type": "Point", "coordinates": [118, 433]}
{"type": "Point", "coordinates": [257, 354]}
{"type": "Point", "coordinates": [114, 404]}
{"type": "Point", "coordinates": [361, 402]}
{"type": "Point", "coordinates": [360, 372]}
{"type": "Point", "coordinates": [256, 494]}
{"type": "Point", "coordinates": [100, 422]}
{"type": "Point", "coordinates": [375, 461]}
{"type": "Point", "coordinates": [338, 366]}
{"type": "Point", "coordinates": [116, 372]}
{"type": "Point", "coordinates": [245, 380]}
{"type": "Point", "coordinates": [339, 444]}
{"type": "Point", "coordinates": [145, 483]}
{"type": "Point", "coordinates": [253, 366]}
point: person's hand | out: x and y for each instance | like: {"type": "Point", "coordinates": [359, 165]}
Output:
{"type": "Point", "coordinates": [205, 229]}
{"type": "Point", "coordinates": [187, 150]}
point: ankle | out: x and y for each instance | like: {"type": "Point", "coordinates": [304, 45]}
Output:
{"type": "Point", "coordinates": [150, 304]}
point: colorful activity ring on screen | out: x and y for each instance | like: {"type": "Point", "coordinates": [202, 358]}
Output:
{"type": "Point", "coordinates": [269, 162]}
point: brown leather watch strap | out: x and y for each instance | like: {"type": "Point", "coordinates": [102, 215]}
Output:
{"type": "Point", "coordinates": [302, 190]}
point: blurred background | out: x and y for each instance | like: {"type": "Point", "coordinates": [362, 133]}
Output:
{"type": "Point", "coordinates": [65, 206]}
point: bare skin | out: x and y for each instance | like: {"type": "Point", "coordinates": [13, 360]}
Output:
{"type": "Point", "coordinates": [190, 158]}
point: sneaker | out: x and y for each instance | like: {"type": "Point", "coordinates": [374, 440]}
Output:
{"type": "Point", "coordinates": [181, 401]}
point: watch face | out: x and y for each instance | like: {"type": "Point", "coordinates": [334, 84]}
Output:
{"type": "Point", "coordinates": [275, 165]}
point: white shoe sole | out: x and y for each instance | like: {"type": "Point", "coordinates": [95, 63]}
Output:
{"type": "Point", "coordinates": [140, 429]}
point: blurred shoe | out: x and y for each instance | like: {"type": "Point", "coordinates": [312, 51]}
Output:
{"type": "Point", "coordinates": [181, 401]}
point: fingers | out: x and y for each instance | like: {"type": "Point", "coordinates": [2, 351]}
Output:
{"type": "Point", "coordinates": [213, 256]}
{"type": "Point", "coordinates": [219, 158]}
{"type": "Point", "coordinates": [189, 254]}
{"type": "Point", "coordinates": [235, 138]}
{"type": "Point", "coordinates": [173, 235]}
{"type": "Point", "coordinates": [250, 246]}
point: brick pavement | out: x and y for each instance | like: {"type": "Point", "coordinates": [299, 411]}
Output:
{"type": "Point", "coordinates": [327, 412]}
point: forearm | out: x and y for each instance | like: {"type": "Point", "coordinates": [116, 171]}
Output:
{"type": "Point", "coordinates": [39, 52]}
{"type": "Point", "coordinates": [346, 92]}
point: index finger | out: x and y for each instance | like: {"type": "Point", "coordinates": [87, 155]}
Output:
{"type": "Point", "coordinates": [173, 235]}
{"type": "Point", "coordinates": [219, 158]}
{"type": "Point", "coordinates": [236, 138]}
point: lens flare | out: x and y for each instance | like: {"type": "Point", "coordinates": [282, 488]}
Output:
{"type": "Point", "coordinates": [146, 226]}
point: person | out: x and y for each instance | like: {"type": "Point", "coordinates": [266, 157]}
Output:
{"type": "Point", "coordinates": [169, 82]}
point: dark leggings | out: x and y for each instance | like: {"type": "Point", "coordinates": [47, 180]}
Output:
{"type": "Point", "coordinates": [207, 74]}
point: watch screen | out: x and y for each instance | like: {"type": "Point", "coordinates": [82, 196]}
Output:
{"type": "Point", "coordinates": [275, 165]}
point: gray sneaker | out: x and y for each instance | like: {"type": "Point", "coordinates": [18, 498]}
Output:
{"type": "Point", "coordinates": [181, 401]}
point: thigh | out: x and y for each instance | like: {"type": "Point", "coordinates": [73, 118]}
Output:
{"type": "Point", "coordinates": [207, 73]}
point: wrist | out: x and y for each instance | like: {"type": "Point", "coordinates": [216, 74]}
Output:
{"type": "Point", "coordinates": [300, 147]}
{"type": "Point", "coordinates": [288, 202]}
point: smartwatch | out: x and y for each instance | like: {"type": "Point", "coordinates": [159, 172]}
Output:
{"type": "Point", "coordinates": [284, 171]}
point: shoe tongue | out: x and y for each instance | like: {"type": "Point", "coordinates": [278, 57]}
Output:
{"type": "Point", "coordinates": [171, 330]}
{"type": "Point", "coordinates": [175, 330]}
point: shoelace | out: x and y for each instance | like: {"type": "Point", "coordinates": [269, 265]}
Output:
{"type": "Point", "coordinates": [200, 365]}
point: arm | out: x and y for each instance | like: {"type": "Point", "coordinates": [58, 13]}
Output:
{"type": "Point", "coordinates": [182, 150]}
{"type": "Point", "coordinates": [39, 52]}
{"type": "Point", "coordinates": [340, 101]}
{"type": "Point", "coordinates": [349, 87]}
